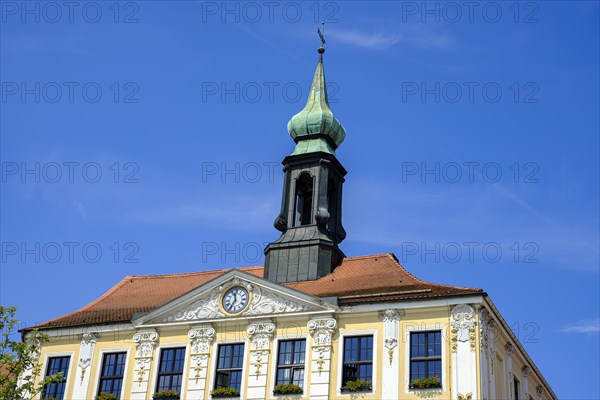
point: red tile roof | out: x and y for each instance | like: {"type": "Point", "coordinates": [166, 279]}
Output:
{"type": "Point", "coordinates": [358, 279]}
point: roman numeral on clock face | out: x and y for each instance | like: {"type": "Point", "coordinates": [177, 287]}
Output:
{"type": "Point", "coordinates": [235, 300]}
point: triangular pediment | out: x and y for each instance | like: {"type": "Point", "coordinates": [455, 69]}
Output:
{"type": "Point", "coordinates": [204, 303]}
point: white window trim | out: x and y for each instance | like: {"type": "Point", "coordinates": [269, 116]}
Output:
{"type": "Point", "coordinates": [520, 380]}
{"type": "Point", "coordinates": [99, 369]}
{"type": "Point", "coordinates": [275, 355]}
{"type": "Point", "coordinates": [156, 362]}
{"type": "Point", "coordinates": [215, 360]}
{"type": "Point", "coordinates": [340, 346]}
{"type": "Point", "coordinates": [409, 328]}
{"type": "Point", "coordinates": [47, 356]}
{"type": "Point", "coordinates": [504, 375]}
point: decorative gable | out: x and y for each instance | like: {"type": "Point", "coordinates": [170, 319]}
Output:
{"type": "Point", "coordinates": [205, 302]}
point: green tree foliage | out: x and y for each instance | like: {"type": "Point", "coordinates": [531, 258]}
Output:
{"type": "Point", "coordinates": [19, 361]}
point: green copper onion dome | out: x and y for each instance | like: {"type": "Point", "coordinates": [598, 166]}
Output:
{"type": "Point", "coordinates": [315, 128]}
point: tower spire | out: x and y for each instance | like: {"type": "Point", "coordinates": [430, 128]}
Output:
{"type": "Point", "coordinates": [314, 128]}
{"type": "Point", "coordinates": [310, 219]}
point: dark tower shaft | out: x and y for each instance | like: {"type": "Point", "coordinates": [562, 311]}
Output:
{"type": "Point", "coordinates": [311, 209]}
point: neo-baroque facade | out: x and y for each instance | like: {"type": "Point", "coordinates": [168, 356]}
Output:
{"type": "Point", "coordinates": [311, 321]}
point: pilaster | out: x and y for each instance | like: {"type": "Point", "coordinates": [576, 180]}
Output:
{"type": "Point", "coordinates": [86, 353]}
{"type": "Point", "coordinates": [201, 337]}
{"type": "Point", "coordinates": [260, 336]}
{"type": "Point", "coordinates": [464, 367]}
{"type": "Point", "coordinates": [145, 343]}
{"type": "Point", "coordinates": [322, 331]}
{"type": "Point", "coordinates": [390, 359]}
{"type": "Point", "coordinates": [525, 371]}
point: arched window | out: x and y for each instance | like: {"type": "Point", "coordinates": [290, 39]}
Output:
{"type": "Point", "coordinates": [304, 197]}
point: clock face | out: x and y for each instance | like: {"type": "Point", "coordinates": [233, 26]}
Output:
{"type": "Point", "coordinates": [235, 300]}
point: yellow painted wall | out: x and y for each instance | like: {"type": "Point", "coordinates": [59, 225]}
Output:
{"type": "Point", "coordinates": [287, 328]}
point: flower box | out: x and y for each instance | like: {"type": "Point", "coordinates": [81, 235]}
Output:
{"type": "Point", "coordinates": [221, 393]}
{"type": "Point", "coordinates": [106, 396]}
{"type": "Point", "coordinates": [358, 386]}
{"type": "Point", "coordinates": [425, 383]}
{"type": "Point", "coordinates": [287, 388]}
{"type": "Point", "coordinates": [166, 395]}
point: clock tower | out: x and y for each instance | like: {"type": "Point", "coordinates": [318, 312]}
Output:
{"type": "Point", "coordinates": [311, 208]}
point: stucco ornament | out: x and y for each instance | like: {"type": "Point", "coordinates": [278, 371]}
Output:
{"type": "Point", "coordinates": [145, 342]}
{"type": "Point", "coordinates": [88, 340]}
{"type": "Point", "coordinates": [266, 302]}
{"type": "Point", "coordinates": [467, 396]}
{"type": "Point", "coordinates": [263, 303]}
{"type": "Point", "coordinates": [390, 318]}
{"type": "Point", "coordinates": [260, 335]}
{"type": "Point", "coordinates": [322, 331]}
{"type": "Point", "coordinates": [539, 390]}
{"type": "Point", "coordinates": [462, 322]}
{"type": "Point", "coordinates": [200, 338]}
{"type": "Point", "coordinates": [510, 349]}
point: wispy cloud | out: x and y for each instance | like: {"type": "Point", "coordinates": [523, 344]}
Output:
{"type": "Point", "coordinates": [589, 327]}
{"type": "Point", "coordinates": [375, 41]}
{"type": "Point", "coordinates": [240, 213]}
{"type": "Point", "coordinates": [384, 38]}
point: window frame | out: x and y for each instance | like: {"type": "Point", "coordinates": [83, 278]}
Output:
{"type": "Point", "coordinates": [183, 372]}
{"type": "Point", "coordinates": [46, 364]}
{"type": "Point", "coordinates": [215, 369]}
{"type": "Point", "coordinates": [307, 356]}
{"type": "Point", "coordinates": [99, 370]}
{"type": "Point", "coordinates": [426, 359]}
{"type": "Point", "coordinates": [517, 388]}
{"type": "Point", "coordinates": [102, 357]}
{"type": "Point", "coordinates": [413, 328]}
{"type": "Point", "coordinates": [340, 360]}
{"type": "Point", "coordinates": [292, 367]}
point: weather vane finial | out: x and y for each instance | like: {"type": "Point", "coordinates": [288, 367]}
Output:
{"type": "Point", "coordinates": [321, 49]}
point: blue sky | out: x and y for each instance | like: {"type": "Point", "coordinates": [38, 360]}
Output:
{"type": "Point", "coordinates": [146, 137]}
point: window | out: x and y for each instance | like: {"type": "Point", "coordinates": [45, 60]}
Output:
{"type": "Point", "coordinates": [358, 359]}
{"type": "Point", "coordinates": [425, 355]}
{"type": "Point", "coordinates": [290, 362]}
{"type": "Point", "coordinates": [517, 386]}
{"type": "Point", "coordinates": [170, 371]}
{"type": "Point", "coordinates": [111, 374]}
{"type": "Point", "coordinates": [303, 204]}
{"type": "Point", "coordinates": [229, 366]}
{"type": "Point", "coordinates": [55, 365]}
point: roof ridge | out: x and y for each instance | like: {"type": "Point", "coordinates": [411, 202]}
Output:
{"type": "Point", "coordinates": [212, 271]}
{"type": "Point", "coordinates": [369, 256]}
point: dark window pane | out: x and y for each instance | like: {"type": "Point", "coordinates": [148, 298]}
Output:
{"type": "Point", "coordinates": [171, 369]}
{"type": "Point", "coordinates": [111, 379]}
{"type": "Point", "coordinates": [425, 354]}
{"type": "Point", "coordinates": [358, 358]}
{"type": "Point", "coordinates": [229, 366]}
{"type": "Point", "coordinates": [56, 365]}
{"type": "Point", "coordinates": [290, 362]}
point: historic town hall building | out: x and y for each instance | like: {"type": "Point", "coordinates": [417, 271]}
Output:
{"type": "Point", "coordinates": [309, 321]}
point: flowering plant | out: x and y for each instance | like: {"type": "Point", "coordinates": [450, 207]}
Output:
{"type": "Point", "coordinates": [425, 383]}
{"type": "Point", "coordinates": [106, 396]}
{"type": "Point", "coordinates": [358, 385]}
{"type": "Point", "coordinates": [166, 394]}
{"type": "Point", "coordinates": [287, 388]}
{"type": "Point", "coordinates": [225, 392]}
